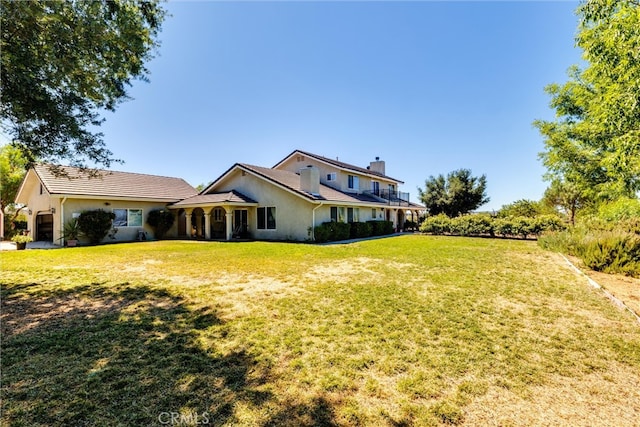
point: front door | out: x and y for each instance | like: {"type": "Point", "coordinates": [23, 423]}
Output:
{"type": "Point", "coordinates": [240, 223]}
{"type": "Point", "coordinates": [44, 228]}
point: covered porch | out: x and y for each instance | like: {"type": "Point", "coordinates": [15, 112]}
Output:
{"type": "Point", "coordinates": [218, 216]}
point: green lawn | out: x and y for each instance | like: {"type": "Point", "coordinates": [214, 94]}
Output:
{"type": "Point", "coordinates": [410, 330]}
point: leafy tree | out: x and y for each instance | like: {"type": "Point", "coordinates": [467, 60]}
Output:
{"type": "Point", "coordinates": [161, 220]}
{"type": "Point", "coordinates": [566, 196]}
{"type": "Point", "coordinates": [594, 142]}
{"type": "Point", "coordinates": [95, 224]}
{"type": "Point", "coordinates": [65, 61]}
{"type": "Point", "coordinates": [13, 167]}
{"type": "Point", "coordinates": [523, 207]}
{"type": "Point", "coordinates": [457, 194]}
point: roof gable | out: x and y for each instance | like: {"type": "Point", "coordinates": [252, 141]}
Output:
{"type": "Point", "coordinates": [338, 164]}
{"type": "Point", "coordinates": [290, 181]}
{"type": "Point", "coordinates": [113, 184]}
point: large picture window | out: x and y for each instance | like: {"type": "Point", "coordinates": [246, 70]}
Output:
{"type": "Point", "coordinates": [267, 218]}
{"type": "Point", "coordinates": [127, 218]}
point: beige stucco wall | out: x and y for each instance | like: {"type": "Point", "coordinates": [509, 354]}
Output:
{"type": "Point", "coordinates": [124, 234]}
{"type": "Point", "coordinates": [342, 178]}
{"type": "Point", "coordinates": [64, 209]}
{"type": "Point", "coordinates": [293, 214]}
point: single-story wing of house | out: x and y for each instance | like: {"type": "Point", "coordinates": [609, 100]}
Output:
{"type": "Point", "coordinates": [284, 202]}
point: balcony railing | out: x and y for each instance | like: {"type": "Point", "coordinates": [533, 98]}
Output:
{"type": "Point", "coordinates": [394, 198]}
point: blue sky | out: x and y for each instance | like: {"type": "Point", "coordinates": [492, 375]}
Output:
{"type": "Point", "coordinates": [429, 87]}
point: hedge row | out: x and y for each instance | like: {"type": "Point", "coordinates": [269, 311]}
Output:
{"type": "Point", "coordinates": [609, 251]}
{"type": "Point", "coordinates": [486, 225]}
{"type": "Point", "coordinates": [335, 231]}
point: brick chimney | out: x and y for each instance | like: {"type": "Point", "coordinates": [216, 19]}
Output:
{"type": "Point", "coordinates": [310, 179]}
{"type": "Point", "coordinates": [377, 166]}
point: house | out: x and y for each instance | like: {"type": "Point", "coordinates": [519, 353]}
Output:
{"type": "Point", "coordinates": [284, 202]}
{"type": "Point", "coordinates": [53, 199]}
{"type": "Point", "coordinates": [287, 201]}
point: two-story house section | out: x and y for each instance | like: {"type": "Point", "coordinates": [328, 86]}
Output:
{"type": "Point", "coordinates": [349, 178]}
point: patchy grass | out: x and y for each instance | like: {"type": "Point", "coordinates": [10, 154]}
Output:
{"type": "Point", "coordinates": [411, 330]}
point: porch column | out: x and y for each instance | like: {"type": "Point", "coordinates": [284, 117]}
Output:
{"type": "Point", "coordinates": [187, 216]}
{"type": "Point", "coordinates": [207, 225]}
{"type": "Point", "coordinates": [229, 223]}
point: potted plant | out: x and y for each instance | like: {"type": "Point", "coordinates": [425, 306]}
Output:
{"type": "Point", "coordinates": [70, 232]}
{"type": "Point", "coordinates": [21, 241]}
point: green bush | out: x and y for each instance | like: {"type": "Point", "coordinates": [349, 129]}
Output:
{"type": "Point", "coordinates": [161, 220]}
{"type": "Point", "coordinates": [95, 224]}
{"type": "Point", "coordinates": [360, 230]}
{"type": "Point", "coordinates": [621, 209]}
{"type": "Point", "coordinates": [472, 225]}
{"type": "Point", "coordinates": [614, 251]}
{"type": "Point", "coordinates": [332, 231]}
{"type": "Point", "coordinates": [381, 228]}
{"type": "Point", "coordinates": [437, 224]}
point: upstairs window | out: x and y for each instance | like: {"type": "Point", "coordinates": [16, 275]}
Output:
{"type": "Point", "coordinates": [331, 176]}
{"type": "Point", "coordinates": [353, 182]}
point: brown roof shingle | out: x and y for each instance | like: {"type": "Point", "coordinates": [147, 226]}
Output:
{"type": "Point", "coordinates": [113, 184]}
{"type": "Point", "coordinates": [228, 196]}
{"type": "Point", "coordinates": [342, 165]}
{"type": "Point", "coordinates": [291, 181]}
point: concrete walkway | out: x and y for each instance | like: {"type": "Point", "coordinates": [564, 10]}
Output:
{"type": "Point", "coordinates": [11, 246]}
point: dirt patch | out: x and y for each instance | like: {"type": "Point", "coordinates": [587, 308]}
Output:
{"type": "Point", "coordinates": [626, 289]}
{"type": "Point", "coordinates": [20, 315]}
{"type": "Point", "coordinates": [597, 399]}
{"type": "Point", "coordinates": [344, 271]}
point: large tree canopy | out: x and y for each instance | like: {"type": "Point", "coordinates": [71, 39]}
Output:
{"type": "Point", "coordinates": [594, 143]}
{"type": "Point", "coordinates": [64, 62]}
{"type": "Point", "coordinates": [457, 194]}
{"type": "Point", "coordinates": [13, 167]}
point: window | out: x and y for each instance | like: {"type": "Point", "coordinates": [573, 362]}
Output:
{"type": "Point", "coordinates": [267, 218]}
{"type": "Point", "coordinates": [374, 213]}
{"type": "Point", "coordinates": [337, 214]}
{"type": "Point", "coordinates": [41, 189]}
{"type": "Point", "coordinates": [375, 187]}
{"type": "Point", "coordinates": [331, 176]}
{"type": "Point", "coordinates": [218, 215]}
{"type": "Point", "coordinates": [354, 182]}
{"type": "Point", "coordinates": [353, 214]}
{"type": "Point", "coordinates": [127, 218]}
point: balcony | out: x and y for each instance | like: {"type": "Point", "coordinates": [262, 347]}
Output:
{"type": "Point", "coordinates": [394, 198]}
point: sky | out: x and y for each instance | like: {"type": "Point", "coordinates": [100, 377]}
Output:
{"type": "Point", "coordinates": [429, 87]}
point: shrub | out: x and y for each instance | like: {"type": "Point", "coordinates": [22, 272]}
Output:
{"type": "Point", "coordinates": [612, 252]}
{"type": "Point", "coordinates": [381, 228]}
{"type": "Point", "coordinates": [161, 220]}
{"type": "Point", "coordinates": [437, 224]}
{"type": "Point", "coordinates": [95, 224]}
{"type": "Point", "coordinates": [621, 209]}
{"type": "Point", "coordinates": [472, 225]}
{"type": "Point", "coordinates": [332, 231]}
{"type": "Point", "coordinates": [360, 230]}
{"type": "Point", "coordinates": [503, 227]}
{"type": "Point", "coordinates": [608, 251]}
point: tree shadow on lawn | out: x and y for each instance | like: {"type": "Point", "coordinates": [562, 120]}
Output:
{"type": "Point", "coordinates": [128, 355]}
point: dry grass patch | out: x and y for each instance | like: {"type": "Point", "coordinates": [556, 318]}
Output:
{"type": "Point", "coordinates": [410, 330]}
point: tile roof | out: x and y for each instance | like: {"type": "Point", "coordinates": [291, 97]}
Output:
{"type": "Point", "coordinates": [291, 181]}
{"type": "Point", "coordinates": [342, 165]}
{"type": "Point", "coordinates": [113, 184]}
{"type": "Point", "coordinates": [232, 196]}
